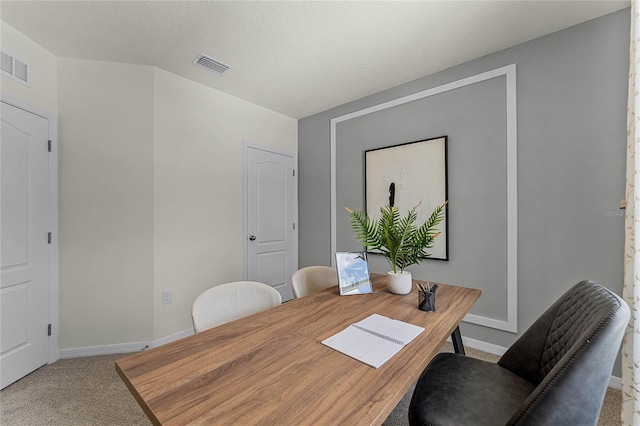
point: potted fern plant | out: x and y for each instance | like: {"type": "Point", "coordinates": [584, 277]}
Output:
{"type": "Point", "coordinates": [399, 239]}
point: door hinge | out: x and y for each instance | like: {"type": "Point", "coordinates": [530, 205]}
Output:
{"type": "Point", "coordinates": [49, 145]}
{"type": "Point", "coordinates": [49, 237]}
{"type": "Point", "coordinates": [294, 172]}
{"type": "Point", "coordinates": [294, 226]}
{"type": "Point", "coordinates": [49, 330]}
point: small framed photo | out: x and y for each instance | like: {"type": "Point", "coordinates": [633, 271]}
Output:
{"type": "Point", "coordinates": [353, 273]}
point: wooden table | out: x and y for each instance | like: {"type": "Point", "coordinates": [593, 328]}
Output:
{"type": "Point", "coordinates": [270, 368]}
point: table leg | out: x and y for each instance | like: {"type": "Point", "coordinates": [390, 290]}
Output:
{"type": "Point", "coordinates": [456, 338]}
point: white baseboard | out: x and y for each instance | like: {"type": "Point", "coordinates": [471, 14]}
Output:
{"type": "Point", "coordinates": [121, 348]}
{"type": "Point", "coordinates": [124, 348]}
{"type": "Point", "coordinates": [484, 346]}
{"type": "Point", "coordinates": [614, 382]}
{"type": "Point", "coordinates": [172, 337]}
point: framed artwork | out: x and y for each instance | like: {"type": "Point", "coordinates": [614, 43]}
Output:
{"type": "Point", "coordinates": [353, 273]}
{"type": "Point", "coordinates": [406, 175]}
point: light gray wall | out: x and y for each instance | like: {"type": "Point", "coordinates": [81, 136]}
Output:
{"type": "Point", "coordinates": [572, 90]}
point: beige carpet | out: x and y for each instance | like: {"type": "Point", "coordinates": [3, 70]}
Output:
{"type": "Point", "coordinates": [88, 391]}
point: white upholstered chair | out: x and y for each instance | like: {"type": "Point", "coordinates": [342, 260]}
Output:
{"type": "Point", "coordinates": [312, 279]}
{"type": "Point", "coordinates": [227, 302]}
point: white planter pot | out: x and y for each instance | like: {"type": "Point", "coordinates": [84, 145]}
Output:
{"type": "Point", "coordinates": [399, 283]}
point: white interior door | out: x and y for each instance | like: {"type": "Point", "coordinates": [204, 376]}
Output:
{"type": "Point", "coordinates": [24, 243]}
{"type": "Point", "coordinates": [270, 229]}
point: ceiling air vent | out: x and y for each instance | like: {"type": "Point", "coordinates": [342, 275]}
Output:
{"type": "Point", "coordinates": [211, 64]}
{"type": "Point", "coordinates": [15, 68]}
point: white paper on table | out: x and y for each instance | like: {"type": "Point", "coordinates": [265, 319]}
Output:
{"type": "Point", "coordinates": [374, 340]}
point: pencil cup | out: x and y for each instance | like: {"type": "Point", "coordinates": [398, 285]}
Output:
{"type": "Point", "coordinates": [427, 301]}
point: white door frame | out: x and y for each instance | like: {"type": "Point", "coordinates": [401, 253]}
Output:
{"type": "Point", "coordinates": [245, 202]}
{"type": "Point", "coordinates": [53, 217]}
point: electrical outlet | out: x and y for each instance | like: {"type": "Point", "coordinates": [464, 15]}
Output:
{"type": "Point", "coordinates": [166, 297]}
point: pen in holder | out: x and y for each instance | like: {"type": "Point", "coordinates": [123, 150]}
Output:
{"type": "Point", "coordinates": [427, 297]}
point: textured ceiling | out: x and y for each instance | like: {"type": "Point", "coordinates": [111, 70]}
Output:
{"type": "Point", "coordinates": [297, 58]}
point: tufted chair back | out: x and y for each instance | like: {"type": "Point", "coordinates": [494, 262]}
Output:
{"type": "Point", "coordinates": [568, 354]}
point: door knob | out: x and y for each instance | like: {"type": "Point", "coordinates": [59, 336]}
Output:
{"type": "Point", "coordinates": [252, 238]}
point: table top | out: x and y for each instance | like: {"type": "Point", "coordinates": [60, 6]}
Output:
{"type": "Point", "coordinates": [270, 367]}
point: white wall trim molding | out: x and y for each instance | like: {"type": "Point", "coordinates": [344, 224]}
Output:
{"type": "Point", "coordinates": [53, 217]}
{"type": "Point", "coordinates": [122, 348]}
{"type": "Point", "coordinates": [509, 72]}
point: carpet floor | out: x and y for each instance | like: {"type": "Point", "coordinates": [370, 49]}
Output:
{"type": "Point", "coordinates": [88, 391]}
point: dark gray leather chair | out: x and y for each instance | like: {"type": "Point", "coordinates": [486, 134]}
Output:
{"type": "Point", "coordinates": [556, 373]}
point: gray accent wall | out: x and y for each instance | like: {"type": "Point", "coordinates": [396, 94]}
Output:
{"type": "Point", "coordinates": [571, 109]}
{"type": "Point", "coordinates": [473, 118]}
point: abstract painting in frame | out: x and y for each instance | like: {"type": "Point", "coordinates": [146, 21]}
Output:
{"type": "Point", "coordinates": [405, 175]}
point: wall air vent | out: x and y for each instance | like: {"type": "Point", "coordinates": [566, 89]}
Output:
{"type": "Point", "coordinates": [15, 68]}
{"type": "Point", "coordinates": [211, 64]}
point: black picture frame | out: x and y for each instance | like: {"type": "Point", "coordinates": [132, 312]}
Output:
{"type": "Point", "coordinates": [407, 174]}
